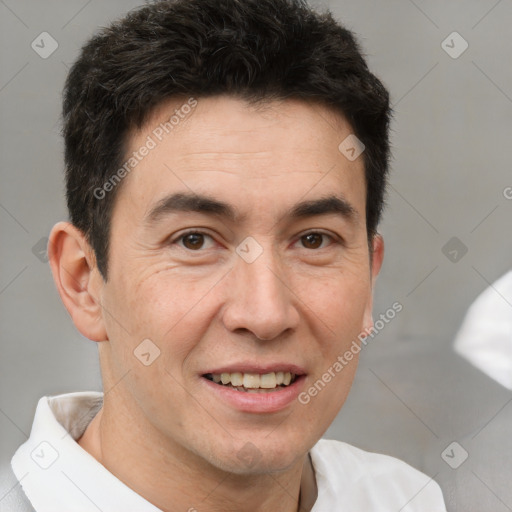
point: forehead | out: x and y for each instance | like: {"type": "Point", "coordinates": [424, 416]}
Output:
{"type": "Point", "coordinates": [252, 156]}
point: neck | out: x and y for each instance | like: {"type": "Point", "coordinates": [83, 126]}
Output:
{"type": "Point", "coordinates": [172, 478]}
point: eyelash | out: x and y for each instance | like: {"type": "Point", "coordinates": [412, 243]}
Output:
{"type": "Point", "coordinates": [198, 232]}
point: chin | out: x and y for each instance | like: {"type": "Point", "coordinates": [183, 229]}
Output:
{"type": "Point", "coordinates": [248, 458]}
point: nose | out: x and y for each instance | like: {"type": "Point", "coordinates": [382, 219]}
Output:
{"type": "Point", "coordinates": [259, 299]}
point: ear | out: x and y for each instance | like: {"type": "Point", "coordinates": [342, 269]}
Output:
{"type": "Point", "coordinates": [377, 257]}
{"type": "Point", "coordinates": [77, 278]}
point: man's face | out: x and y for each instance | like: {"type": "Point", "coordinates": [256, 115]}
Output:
{"type": "Point", "coordinates": [290, 298]}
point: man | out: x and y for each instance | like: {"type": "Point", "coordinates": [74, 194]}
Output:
{"type": "Point", "coordinates": [226, 162]}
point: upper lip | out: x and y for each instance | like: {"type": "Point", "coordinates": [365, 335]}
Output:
{"type": "Point", "coordinates": [258, 368]}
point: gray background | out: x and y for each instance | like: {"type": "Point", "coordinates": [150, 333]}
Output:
{"type": "Point", "coordinates": [451, 137]}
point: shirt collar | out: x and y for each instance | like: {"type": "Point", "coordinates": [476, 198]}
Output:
{"type": "Point", "coordinates": [57, 474]}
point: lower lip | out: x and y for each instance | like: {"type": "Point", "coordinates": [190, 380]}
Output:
{"type": "Point", "coordinates": [266, 402]}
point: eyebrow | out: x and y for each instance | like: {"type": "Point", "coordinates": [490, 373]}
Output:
{"type": "Point", "coordinates": [190, 202]}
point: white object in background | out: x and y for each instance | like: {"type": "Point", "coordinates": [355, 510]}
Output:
{"type": "Point", "coordinates": [485, 337]}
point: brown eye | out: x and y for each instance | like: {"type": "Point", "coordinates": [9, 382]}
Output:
{"type": "Point", "coordinates": [312, 240]}
{"type": "Point", "coordinates": [193, 241]}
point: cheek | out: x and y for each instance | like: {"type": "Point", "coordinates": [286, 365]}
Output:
{"type": "Point", "coordinates": [171, 311]}
{"type": "Point", "coordinates": [338, 301]}
{"type": "Point", "coordinates": [336, 309]}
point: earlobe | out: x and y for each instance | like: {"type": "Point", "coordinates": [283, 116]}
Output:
{"type": "Point", "coordinates": [77, 279]}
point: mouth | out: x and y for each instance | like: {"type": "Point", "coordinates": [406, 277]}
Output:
{"type": "Point", "coordinates": [255, 388]}
{"type": "Point", "coordinates": [253, 382]}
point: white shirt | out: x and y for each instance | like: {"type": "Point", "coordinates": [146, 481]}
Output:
{"type": "Point", "coordinates": [485, 337]}
{"type": "Point", "coordinates": [58, 475]}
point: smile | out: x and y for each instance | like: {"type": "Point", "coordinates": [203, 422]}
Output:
{"type": "Point", "coordinates": [253, 382]}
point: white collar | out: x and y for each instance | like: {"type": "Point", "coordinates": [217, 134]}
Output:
{"type": "Point", "coordinates": [52, 459]}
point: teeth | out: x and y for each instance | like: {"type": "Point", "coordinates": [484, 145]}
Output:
{"type": "Point", "coordinates": [237, 379]}
{"type": "Point", "coordinates": [268, 380]}
{"type": "Point", "coordinates": [253, 381]}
